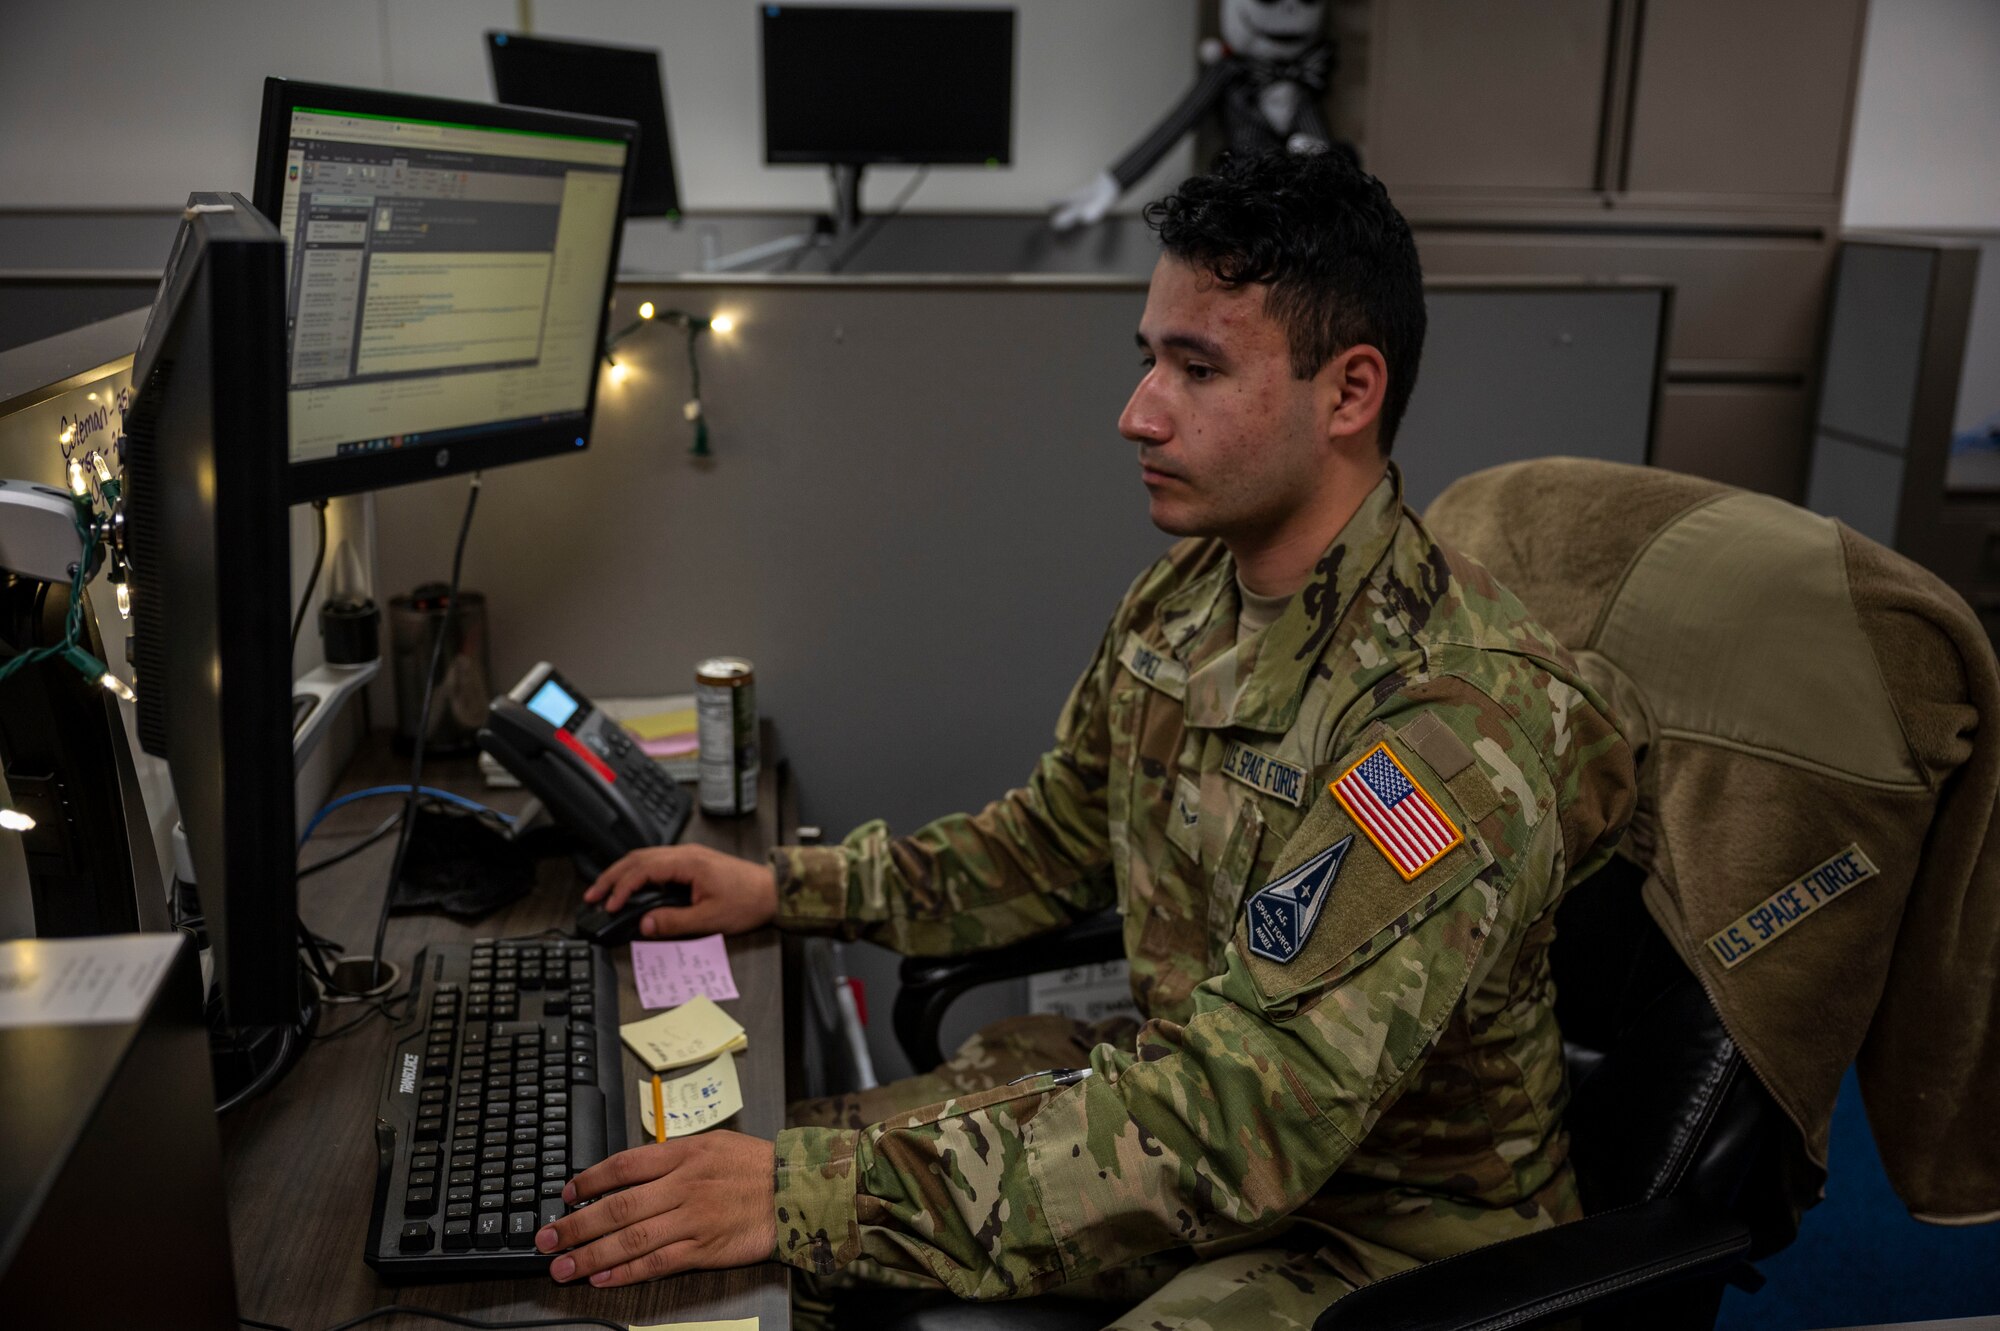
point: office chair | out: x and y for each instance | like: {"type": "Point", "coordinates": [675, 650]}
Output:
{"type": "Point", "coordinates": [1688, 1168]}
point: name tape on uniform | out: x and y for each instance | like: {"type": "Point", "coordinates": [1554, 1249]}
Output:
{"type": "Point", "coordinates": [1156, 668]}
{"type": "Point", "coordinates": [1771, 918]}
{"type": "Point", "coordinates": [1265, 774]}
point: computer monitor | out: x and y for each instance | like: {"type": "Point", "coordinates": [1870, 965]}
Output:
{"type": "Point", "coordinates": [207, 533]}
{"type": "Point", "coordinates": [449, 268]}
{"type": "Point", "coordinates": [850, 86]}
{"type": "Point", "coordinates": [623, 82]}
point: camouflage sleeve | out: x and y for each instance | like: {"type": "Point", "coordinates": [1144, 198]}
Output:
{"type": "Point", "coordinates": [1036, 859]}
{"type": "Point", "coordinates": [1342, 971]}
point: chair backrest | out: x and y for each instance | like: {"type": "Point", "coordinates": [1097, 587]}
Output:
{"type": "Point", "coordinates": [1805, 708]}
{"type": "Point", "coordinates": [1662, 1102]}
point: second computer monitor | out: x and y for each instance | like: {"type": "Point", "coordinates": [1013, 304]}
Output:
{"type": "Point", "coordinates": [848, 85]}
{"type": "Point", "coordinates": [448, 268]}
{"type": "Point", "coordinates": [619, 81]}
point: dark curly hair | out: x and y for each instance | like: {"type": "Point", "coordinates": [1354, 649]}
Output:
{"type": "Point", "coordinates": [1321, 234]}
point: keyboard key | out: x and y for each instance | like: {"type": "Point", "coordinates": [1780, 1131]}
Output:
{"type": "Point", "coordinates": [490, 1230]}
{"type": "Point", "coordinates": [417, 1238]}
{"type": "Point", "coordinates": [519, 1198]}
{"type": "Point", "coordinates": [458, 1210]}
{"type": "Point", "coordinates": [521, 1229]}
{"type": "Point", "coordinates": [457, 1235]}
{"type": "Point", "coordinates": [552, 1209]}
{"type": "Point", "coordinates": [420, 1201]}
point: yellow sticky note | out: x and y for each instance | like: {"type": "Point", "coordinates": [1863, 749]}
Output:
{"type": "Point", "coordinates": [695, 1101]}
{"type": "Point", "coordinates": [734, 1324]}
{"type": "Point", "coordinates": [694, 1032]}
{"type": "Point", "coordinates": [659, 725]}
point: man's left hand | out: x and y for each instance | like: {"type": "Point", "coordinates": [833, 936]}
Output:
{"type": "Point", "coordinates": [682, 1205]}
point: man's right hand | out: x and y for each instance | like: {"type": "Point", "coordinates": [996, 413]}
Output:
{"type": "Point", "coordinates": [725, 894]}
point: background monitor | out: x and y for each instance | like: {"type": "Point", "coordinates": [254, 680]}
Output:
{"type": "Point", "coordinates": [448, 269]}
{"type": "Point", "coordinates": [847, 85]}
{"type": "Point", "coordinates": [619, 81]}
{"type": "Point", "coordinates": [207, 532]}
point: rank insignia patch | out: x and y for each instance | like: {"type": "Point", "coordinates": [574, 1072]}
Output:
{"type": "Point", "coordinates": [1405, 824]}
{"type": "Point", "coordinates": [1281, 916]}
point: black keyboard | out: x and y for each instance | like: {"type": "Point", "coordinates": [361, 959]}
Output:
{"type": "Point", "coordinates": [511, 1084]}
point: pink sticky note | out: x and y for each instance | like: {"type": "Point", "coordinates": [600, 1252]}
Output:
{"type": "Point", "coordinates": [669, 974]}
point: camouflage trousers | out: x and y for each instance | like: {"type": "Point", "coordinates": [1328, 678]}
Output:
{"type": "Point", "coordinates": [1274, 1284]}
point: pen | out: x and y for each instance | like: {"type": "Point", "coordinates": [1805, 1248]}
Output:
{"type": "Point", "coordinates": [659, 1111]}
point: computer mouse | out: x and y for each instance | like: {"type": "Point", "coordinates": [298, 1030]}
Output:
{"type": "Point", "coordinates": [622, 925]}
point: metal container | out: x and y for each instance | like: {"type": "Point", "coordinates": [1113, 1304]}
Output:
{"type": "Point", "coordinates": [463, 689]}
{"type": "Point", "coordinates": [725, 706]}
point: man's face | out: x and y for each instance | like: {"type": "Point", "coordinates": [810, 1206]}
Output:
{"type": "Point", "coordinates": [1230, 444]}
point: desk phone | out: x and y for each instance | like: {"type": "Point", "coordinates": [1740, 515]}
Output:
{"type": "Point", "coordinates": [587, 771]}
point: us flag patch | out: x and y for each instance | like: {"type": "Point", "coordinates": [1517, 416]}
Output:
{"type": "Point", "coordinates": [1405, 824]}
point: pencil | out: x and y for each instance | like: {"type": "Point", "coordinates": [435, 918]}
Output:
{"type": "Point", "coordinates": [659, 1111]}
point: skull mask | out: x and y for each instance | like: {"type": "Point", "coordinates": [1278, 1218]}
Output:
{"type": "Point", "coordinates": [1271, 29]}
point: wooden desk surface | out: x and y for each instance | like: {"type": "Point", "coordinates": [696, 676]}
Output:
{"type": "Point", "coordinates": [300, 1160]}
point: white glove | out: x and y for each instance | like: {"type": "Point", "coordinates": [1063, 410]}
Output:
{"type": "Point", "coordinates": [1087, 205]}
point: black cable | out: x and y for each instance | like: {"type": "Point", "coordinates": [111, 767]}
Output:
{"type": "Point", "coordinates": [386, 826]}
{"type": "Point", "coordinates": [264, 1080]}
{"type": "Point", "coordinates": [868, 228]}
{"type": "Point", "coordinates": [312, 579]}
{"type": "Point", "coordinates": [423, 729]}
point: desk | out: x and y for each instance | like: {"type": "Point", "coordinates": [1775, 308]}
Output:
{"type": "Point", "coordinates": [300, 1161]}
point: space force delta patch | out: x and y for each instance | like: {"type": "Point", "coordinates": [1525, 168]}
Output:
{"type": "Point", "coordinates": [1280, 917]}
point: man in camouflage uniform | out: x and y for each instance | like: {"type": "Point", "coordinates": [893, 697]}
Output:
{"type": "Point", "coordinates": [1334, 780]}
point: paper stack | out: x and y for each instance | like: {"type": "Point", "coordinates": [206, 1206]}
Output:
{"type": "Point", "coordinates": [695, 1101]}
{"type": "Point", "coordinates": [694, 1032]}
{"type": "Point", "coordinates": [664, 728]}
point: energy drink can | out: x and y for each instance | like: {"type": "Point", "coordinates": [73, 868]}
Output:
{"type": "Point", "coordinates": [725, 705]}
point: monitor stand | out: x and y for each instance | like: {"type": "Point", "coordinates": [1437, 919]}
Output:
{"type": "Point", "coordinates": [827, 228]}
{"type": "Point", "coordinates": [246, 1061]}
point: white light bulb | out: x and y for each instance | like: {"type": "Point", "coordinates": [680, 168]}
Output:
{"type": "Point", "coordinates": [78, 485]}
{"type": "Point", "coordinates": [646, 309]}
{"type": "Point", "coordinates": [118, 686]}
{"type": "Point", "coordinates": [618, 373]}
{"type": "Point", "coordinates": [103, 468]}
{"type": "Point", "coordinates": [13, 820]}
{"type": "Point", "coordinates": [124, 601]}
{"type": "Point", "coordinates": [723, 323]}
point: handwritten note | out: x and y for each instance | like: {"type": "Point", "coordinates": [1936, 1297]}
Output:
{"type": "Point", "coordinates": [669, 974]}
{"type": "Point", "coordinates": [694, 1032]}
{"type": "Point", "coordinates": [696, 1100]}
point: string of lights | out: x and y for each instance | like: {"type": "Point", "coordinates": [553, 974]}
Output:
{"type": "Point", "coordinates": [695, 325]}
{"type": "Point", "coordinates": [96, 493]}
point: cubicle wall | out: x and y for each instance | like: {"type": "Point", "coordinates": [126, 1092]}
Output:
{"type": "Point", "coordinates": [919, 513]}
